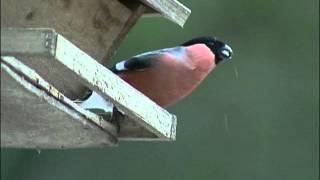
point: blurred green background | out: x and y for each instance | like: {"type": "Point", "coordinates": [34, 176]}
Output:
{"type": "Point", "coordinates": [256, 117]}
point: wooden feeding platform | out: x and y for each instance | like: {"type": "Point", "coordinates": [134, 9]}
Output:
{"type": "Point", "coordinates": [52, 52]}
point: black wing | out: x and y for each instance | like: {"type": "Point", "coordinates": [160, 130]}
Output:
{"type": "Point", "coordinates": [137, 63]}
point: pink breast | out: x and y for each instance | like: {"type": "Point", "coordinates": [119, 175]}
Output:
{"type": "Point", "coordinates": [171, 80]}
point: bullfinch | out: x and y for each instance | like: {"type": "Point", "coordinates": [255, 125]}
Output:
{"type": "Point", "coordinates": [168, 75]}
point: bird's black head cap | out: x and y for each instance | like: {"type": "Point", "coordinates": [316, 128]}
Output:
{"type": "Point", "coordinates": [221, 50]}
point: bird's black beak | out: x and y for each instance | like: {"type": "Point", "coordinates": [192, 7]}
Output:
{"type": "Point", "coordinates": [224, 53]}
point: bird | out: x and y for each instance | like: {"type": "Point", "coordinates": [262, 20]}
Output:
{"type": "Point", "coordinates": [169, 75]}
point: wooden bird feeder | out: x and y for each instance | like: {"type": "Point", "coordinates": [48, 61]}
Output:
{"type": "Point", "coordinates": [52, 52]}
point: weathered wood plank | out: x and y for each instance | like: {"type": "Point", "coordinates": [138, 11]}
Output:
{"type": "Point", "coordinates": [31, 42]}
{"type": "Point", "coordinates": [35, 115]}
{"type": "Point", "coordinates": [170, 9]}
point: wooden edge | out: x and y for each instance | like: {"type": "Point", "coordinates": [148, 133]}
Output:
{"type": "Point", "coordinates": [133, 5]}
{"type": "Point", "coordinates": [148, 137]}
{"type": "Point", "coordinates": [28, 41]}
{"type": "Point", "coordinates": [170, 9]}
{"type": "Point", "coordinates": [38, 81]}
{"type": "Point", "coordinates": [150, 12]}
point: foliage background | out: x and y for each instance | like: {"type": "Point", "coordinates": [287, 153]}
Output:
{"type": "Point", "coordinates": [256, 117]}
